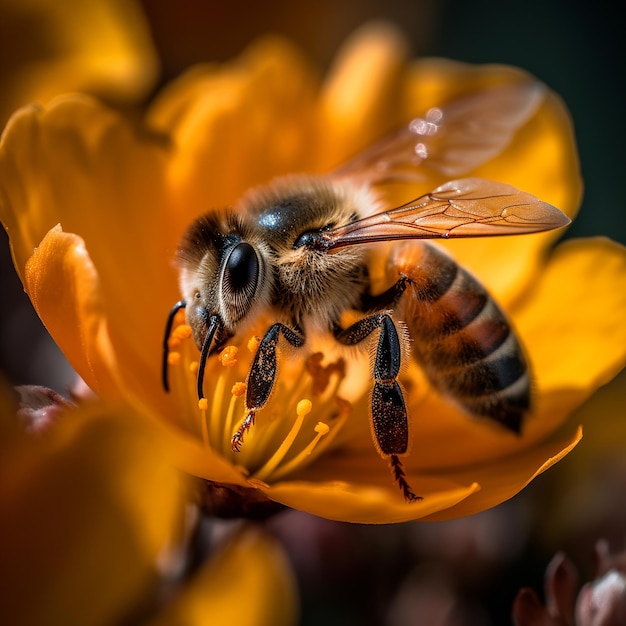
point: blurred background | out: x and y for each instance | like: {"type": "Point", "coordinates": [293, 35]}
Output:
{"type": "Point", "coordinates": [468, 571]}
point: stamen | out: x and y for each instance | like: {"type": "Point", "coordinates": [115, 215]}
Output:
{"type": "Point", "coordinates": [253, 343]}
{"type": "Point", "coordinates": [178, 335]}
{"type": "Point", "coordinates": [203, 404]}
{"type": "Point", "coordinates": [283, 444]}
{"type": "Point", "coordinates": [302, 410]}
{"type": "Point", "coordinates": [173, 358]}
{"type": "Point", "coordinates": [322, 375]}
{"type": "Point", "coordinates": [182, 332]}
{"type": "Point", "coordinates": [237, 391]}
{"type": "Point", "coordinates": [228, 356]}
{"type": "Point", "coordinates": [303, 407]}
{"type": "Point", "coordinates": [321, 429]}
{"type": "Point", "coordinates": [216, 407]}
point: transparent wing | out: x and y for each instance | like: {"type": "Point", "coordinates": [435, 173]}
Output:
{"type": "Point", "coordinates": [469, 207]}
{"type": "Point", "coordinates": [452, 139]}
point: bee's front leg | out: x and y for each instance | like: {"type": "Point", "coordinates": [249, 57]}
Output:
{"type": "Point", "coordinates": [262, 375]}
{"type": "Point", "coordinates": [389, 414]}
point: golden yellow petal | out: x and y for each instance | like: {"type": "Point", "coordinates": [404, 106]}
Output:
{"type": "Point", "coordinates": [573, 321]}
{"type": "Point", "coordinates": [360, 97]}
{"type": "Point", "coordinates": [541, 159]}
{"type": "Point", "coordinates": [372, 90]}
{"type": "Point", "coordinates": [605, 434]}
{"type": "Point", "coordinates": [501, 481]}
{"type": "Point", "coordinates": [64, 288]}
{"type": "Point", "coordinates": [47, 49]}
{"type": "Point", "coordinates": [367, 495]}
{"type": "Point", "coordinates": [443, 437]}
{"type": "Point", "coordinates": [237, 125]}
{"type": "Point", "coordinates": [198, 460]}
{"type": "Point", "coordinates": [68, 163]}
{"type": "Point", "coordinates": [86, 513]}
{"type": "Point", "coordinates": [248, 582]}
{"type": "Point", "coordinates": [65, 164]}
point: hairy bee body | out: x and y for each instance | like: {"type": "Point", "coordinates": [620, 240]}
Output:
{"type": "Point", "coordinates": [300, 251]}
{"type": "Point", "coordinates": [310, 288]}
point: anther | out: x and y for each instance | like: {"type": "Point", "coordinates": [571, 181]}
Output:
{"type": "Point", "coordinates": [173, 358]}
{"type": "Point", "coordinates": [239, 389]}
{"type": "Point", "coordinates": [303, 407]}
{"type": "Point", "coordinates": [321, 428]}
{"type": "Point", "coordinates": [253, 343]}
{"type": "Point", "coordinates": [228, 356]}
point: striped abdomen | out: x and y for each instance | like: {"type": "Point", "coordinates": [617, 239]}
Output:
{"type": "Point", "coordinates": [461, 337]}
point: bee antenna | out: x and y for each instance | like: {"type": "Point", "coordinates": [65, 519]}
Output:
{"type": "Point", "coordinates": [214, 323]}
{"type": "Point", "coordinates": [181, 304]}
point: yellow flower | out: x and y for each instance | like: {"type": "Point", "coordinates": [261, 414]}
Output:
{"type": "Point", "coordinates": [92, 532]}
{"type": "Point", "coordinates": [95, 500]}
{"type": "Point", "coordinates": [95, 208]}
{"type": "Point", "coordinates": [49, 47]}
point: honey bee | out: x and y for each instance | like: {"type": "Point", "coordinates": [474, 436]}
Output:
{"type": "Point", "coordinates": [301, 249]}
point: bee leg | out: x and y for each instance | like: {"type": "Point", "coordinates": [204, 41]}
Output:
{"type": "Point", "coordinates": [262, 375]}
{"type": "Point", "coordinates": [387, 299]}
{"type": "Point", "coordinates": [389, 414]}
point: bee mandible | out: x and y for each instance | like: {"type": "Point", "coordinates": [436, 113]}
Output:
{"type": "Point", "coordinates": [300, 248]}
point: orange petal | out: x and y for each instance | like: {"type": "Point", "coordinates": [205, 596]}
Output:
{"type": "Point", "coordinates": [573, 321]}
{"type": "Point", "coordinates": [361, 96]}
{"type": "Point", "coordinates": [372, 90]}
{"type": "Point", "coordinates": [120, 212]}
{"type": "Point", "coordinates": [52, 52]}
{"type": "Point", "coordinates": [238, 125]}
{"type": "Point", "coordinates": [365, 493]}
{"type": "Point", "coordinates": [501, 481]}
{"type": "Point", "coordinates": [541, 159]}
{"type": "Point", "coordinates": [198, 460]}
{"type": "Point", "coordinates": [95, 500]}
{"type": "Point", "coordinates": [250, 566]}
{"type": "Point", "coordinates": [64, 288]}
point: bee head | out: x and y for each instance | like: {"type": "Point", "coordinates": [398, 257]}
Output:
{"type": "Point", "coordinates": [222, 273]}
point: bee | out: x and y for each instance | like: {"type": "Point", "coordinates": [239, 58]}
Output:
{"type": "Point", "coordinates": [301, 248]}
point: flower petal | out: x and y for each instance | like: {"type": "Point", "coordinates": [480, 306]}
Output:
{"type": "Point", "coordinates": [541, 159]}
{"type": "Point", "coordinates": [239, 124]}
{"type": "Point", "coordinates": [251, 564]}
{"type": "Point", "coordinates": [64, 289]}
{"type": "Point", "coordinates": [367, 499]}
{"type": "Point", "coordinates": [361, 96]}
{"type": "Point", "coordinates": [52, 52]}
{"type": "Point", "coordinates": [86, 511]}
{"type": "Point", "coordinates": [574, 319]}
{"type": "Point", "coordinates": [77, 140]}
{"type": "Point", "coordinates": [372, 90]}
{"type": "Point", "coordinates": [504, 479]}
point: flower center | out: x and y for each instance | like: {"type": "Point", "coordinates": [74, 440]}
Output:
{"type": "Point", "coordinates": [301, 419]}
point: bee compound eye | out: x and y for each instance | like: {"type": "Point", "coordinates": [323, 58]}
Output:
{"type": "Point", "coordinates": [242, 268]}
